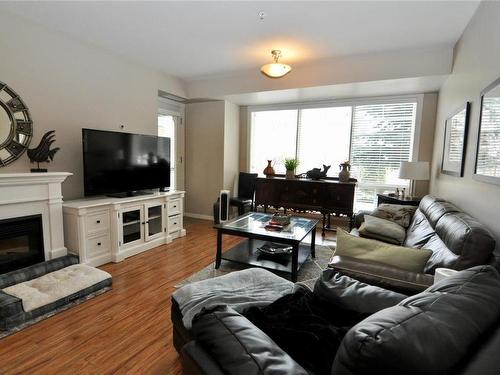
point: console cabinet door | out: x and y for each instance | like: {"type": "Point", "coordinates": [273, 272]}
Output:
{"type": "Point", "coordinates": [154, 225]}
{"type": "Point", "coordinates": [132, 225]}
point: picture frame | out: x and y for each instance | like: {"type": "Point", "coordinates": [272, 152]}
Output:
{"type": "Point", "coordinates": [456, 131]}
{"type": "Point", "coordinates": [487, 164]}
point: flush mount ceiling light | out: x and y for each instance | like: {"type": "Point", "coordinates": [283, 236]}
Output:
{"type": "Point", "coordinates": [275, 69]}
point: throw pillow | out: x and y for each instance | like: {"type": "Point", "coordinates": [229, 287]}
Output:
{"type": "Point", "coordinates": [405, 258]}
{"type": "Point", "coordinates": [383, 230]}
{"type": "Point", "coordinates": [397, 213]}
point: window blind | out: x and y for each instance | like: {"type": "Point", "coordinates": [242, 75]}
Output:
{"type": "Point", "coordinates": [382, 137]}
{"type": "Point", "coordinates": [488, 158]}
{"type": "Point", "coordinates": [456, 137]}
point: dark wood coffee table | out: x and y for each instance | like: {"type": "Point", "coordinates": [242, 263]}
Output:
{"type": "Point", "coordinates": [252, 226]}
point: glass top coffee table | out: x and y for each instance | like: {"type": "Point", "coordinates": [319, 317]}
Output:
{"type": "Point", "coordinates": [253, 227]}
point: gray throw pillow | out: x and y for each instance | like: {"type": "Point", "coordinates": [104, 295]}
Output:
{"type": "Point", "coordinates": [397, 213]}
{"type": "Point", "coordinates": [351, 294]}
{"type": "Point", "coordinates": [383, 230]}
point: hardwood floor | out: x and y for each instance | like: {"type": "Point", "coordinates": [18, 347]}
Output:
{"type": "Point", "coordinates": [124, 331]}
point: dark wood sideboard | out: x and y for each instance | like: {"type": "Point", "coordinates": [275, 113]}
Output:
{"type": "Point", "coordinates": [407, 201]}
{"type": "Point", "coordinates": [324, 196]}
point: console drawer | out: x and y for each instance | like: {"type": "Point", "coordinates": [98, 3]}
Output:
{"type": "Point", "coordinates": [174, 207]}
{"type": "Point", "coordinates": [98, 245]}
{"type": "Point", "coordinates": [97, 222]}
{"type": "Point", "coordinates": [174, 223]}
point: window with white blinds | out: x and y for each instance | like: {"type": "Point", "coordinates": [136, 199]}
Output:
{"type": "Point", "coordinates": [382, 137]}
{"type": "Point", "coordinates": [488, 156]}
{"type": "Point", "coordinates": [376, 138]}
{"type": "Point", "coordinates": [457, 133]}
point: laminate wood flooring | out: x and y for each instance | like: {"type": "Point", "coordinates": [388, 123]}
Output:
{"type": "Point", "coordinates": [126, 330]}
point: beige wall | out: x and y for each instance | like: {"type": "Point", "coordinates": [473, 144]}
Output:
{"type": "Point", "coordinates": [244, 141]}
{"type": "Point", "coordinates": [231, 146]}
{"type": "Point", "coordinates": [204, 155]}
{"type": "Point", "coordinates": [68, 85]}
{"type": "Point", "coordinates": [212, 154]}
{"type": "Point", "coordinates": [426, 143]}
{"type": "Point", "coordinates": [476, 64]}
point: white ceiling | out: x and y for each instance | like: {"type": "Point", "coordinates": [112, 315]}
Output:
{"type": "Point", "coordinates": [203, 39]}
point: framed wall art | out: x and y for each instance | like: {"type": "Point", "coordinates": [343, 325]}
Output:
{"type": "Point", "coordinates": [455, 142]}
{"type": "Point", "coordinates": [487, 167]}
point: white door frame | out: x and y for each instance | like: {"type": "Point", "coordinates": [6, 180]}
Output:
{"type": "Point", "coordinates": [168, 107]}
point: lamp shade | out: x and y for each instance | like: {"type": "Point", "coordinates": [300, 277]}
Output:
{"type": "Point", "coordinates": [414, 170]}
{"type": "Point", "coordinates": [275, 70]}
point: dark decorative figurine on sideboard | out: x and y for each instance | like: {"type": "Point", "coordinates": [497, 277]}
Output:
{"type": "Point", "coordinates": [317, 173]}
{"type": "Point", "coordinates": [43, 153]}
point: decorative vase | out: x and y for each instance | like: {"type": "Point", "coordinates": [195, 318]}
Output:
{"type": "Point", "coordinates": [345, 173]}
{"type": "Point", "coordinates": [269, 170]}
{"type": "Point", "coordinates": [290, 175]}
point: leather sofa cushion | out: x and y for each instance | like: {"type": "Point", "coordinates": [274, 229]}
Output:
{"type": "Point", "coordinates": [419, 232]}
{"type": "Point", "coordinates": [428, 201]}
{"type": "Point", "coordinates": [485, 360]}
{"type": "Point", "coordinates": [441, 255]}
{"type": "Point", "coordinates": [195, 360]}
{"type": "Point", "coordinates": [350, 294]}
{"type": "Point", "coordinates": [466, 237]}
{"type": "Point", "coordinates": [238, 346]}
{"type": "Point", "coordinates": [437, 210]}
{"type": "Point", "coordinates": [429, 333]}
{"type": "Point", "coordinates": [378, 274]}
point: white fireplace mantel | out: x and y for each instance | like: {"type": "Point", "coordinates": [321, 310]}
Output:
{"type": "Point", "coordinates": [25, 194]}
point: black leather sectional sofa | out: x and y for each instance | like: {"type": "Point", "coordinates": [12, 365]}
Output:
{"type": "Point", "coordinates": [457, 240]}
{"type": "Point", "coordinates": [451, 328]}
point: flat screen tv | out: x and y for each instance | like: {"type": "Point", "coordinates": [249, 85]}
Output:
{"type": "Point", "coordinates": [124, 164]}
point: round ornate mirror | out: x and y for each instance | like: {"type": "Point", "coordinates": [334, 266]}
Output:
{"type": "Point", "coordinates": [16, 127]}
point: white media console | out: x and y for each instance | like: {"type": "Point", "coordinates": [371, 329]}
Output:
{"type": "Point", "coordinates": [102, 230]}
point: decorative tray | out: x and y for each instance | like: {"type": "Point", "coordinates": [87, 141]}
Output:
{"type": "Point", "coordinates": [271, 248]}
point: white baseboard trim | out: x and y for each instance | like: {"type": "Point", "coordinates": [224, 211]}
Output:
{"type": "Point", "coordinates": [199, 216]}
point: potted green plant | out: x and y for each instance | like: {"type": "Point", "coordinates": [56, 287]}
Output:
{"type": "Point", "coordinates": [291, 165]}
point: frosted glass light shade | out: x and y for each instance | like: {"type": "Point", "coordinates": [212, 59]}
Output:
{"type": "Point", "coordinates": [414, 170]}
{"type": "Point", "coordinates": [275, 70]}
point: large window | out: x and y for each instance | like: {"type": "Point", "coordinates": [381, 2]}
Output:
{"type": "Point", "coordinates": [376, 138]}
{"type": "Point", "coordinates": [324, 138]}
{"type": "Point", "coordinates": [314, 136]}
{"type": "Point", "coordinates": [273, 137]}
{"type": "Point", "coordinates": [382, 137]}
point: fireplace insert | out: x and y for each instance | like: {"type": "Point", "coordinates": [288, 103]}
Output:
{"type": "Point", "coordinates": [21, 242]}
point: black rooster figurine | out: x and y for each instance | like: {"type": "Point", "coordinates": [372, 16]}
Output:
{"type": "Point", "coordinates": [43, 153]}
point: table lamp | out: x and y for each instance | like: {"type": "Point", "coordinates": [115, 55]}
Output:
{"type": "Point", "coordinates": [414, 171]}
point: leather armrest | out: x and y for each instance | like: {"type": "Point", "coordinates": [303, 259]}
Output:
{"type": "Point", "coordinates": [359, 217]}
{"type": "Point", "coordinates": [382, 275]}
{"type": "Point", "coordinates": [238, 346]}
{"type": "Point", "coordinates": [196, 361]}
